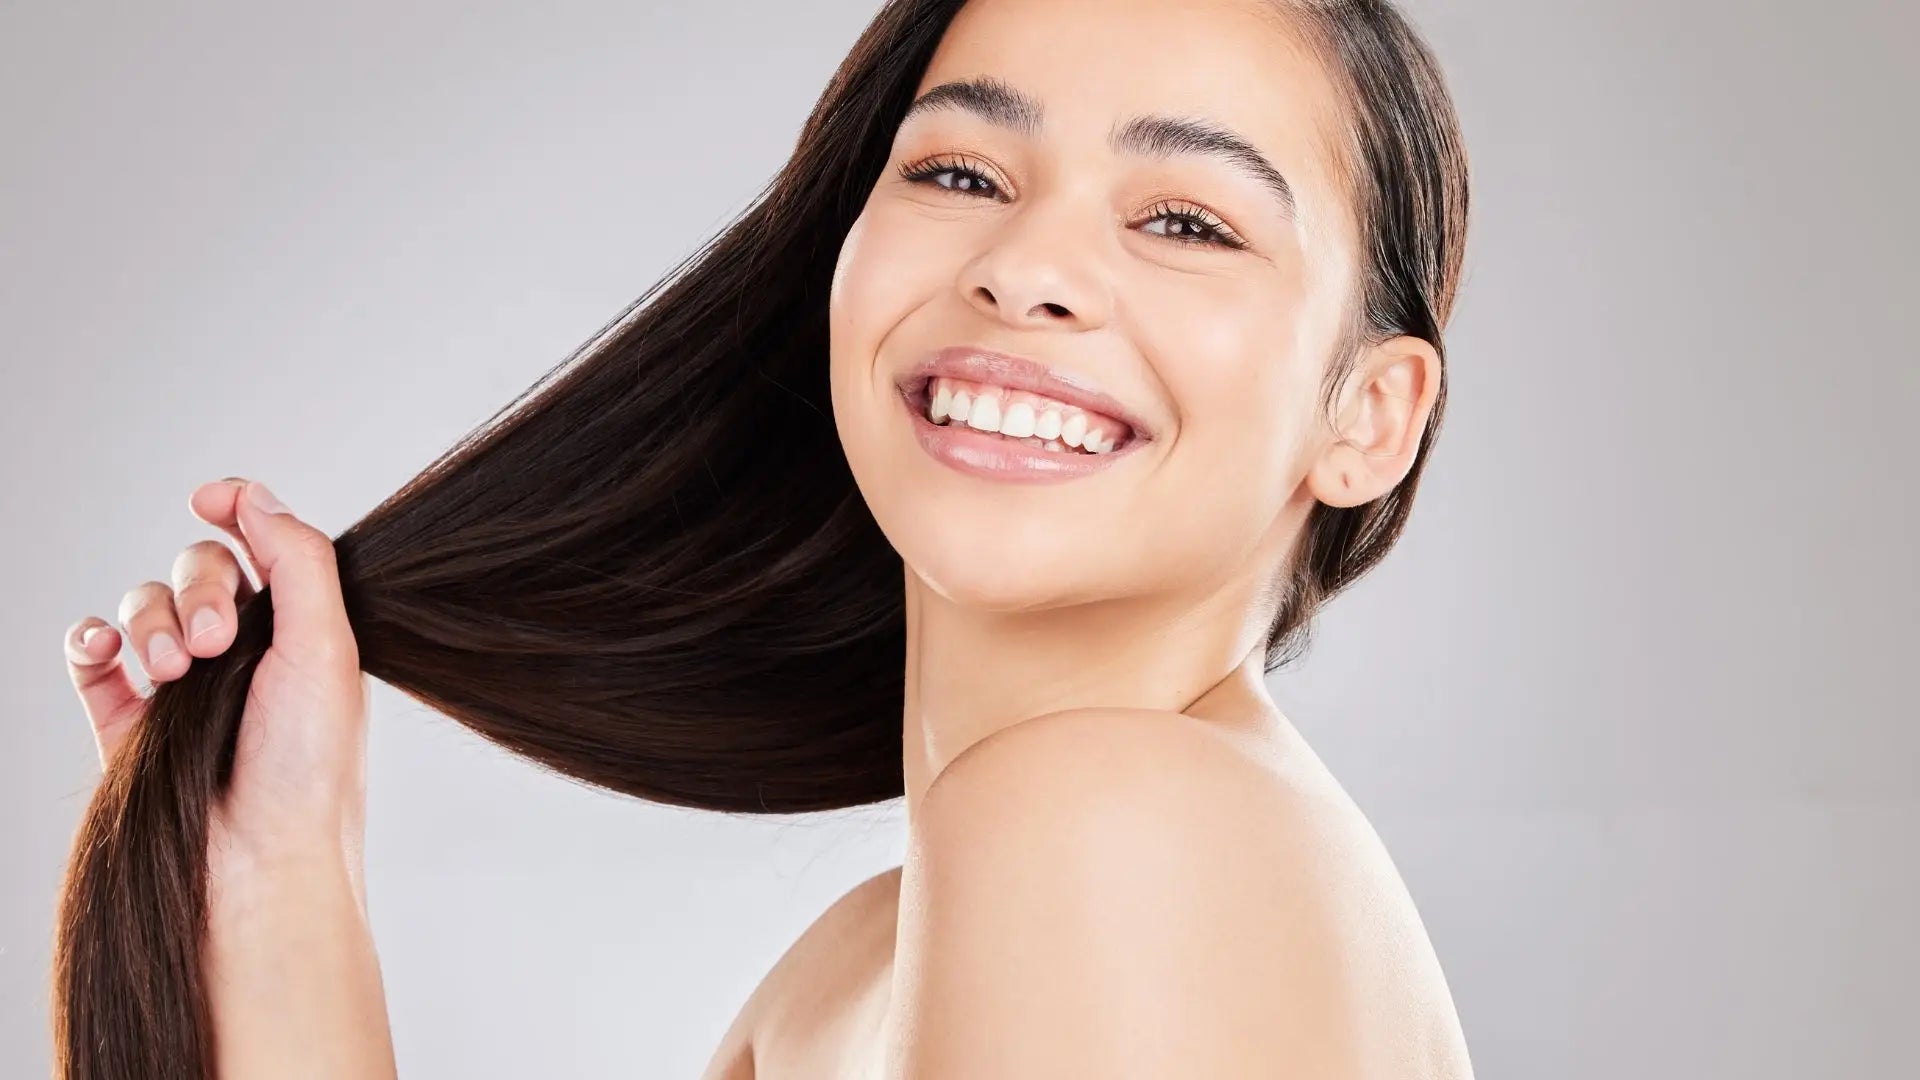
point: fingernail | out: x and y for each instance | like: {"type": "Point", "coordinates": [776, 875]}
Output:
{"type": "Point", "coordinates": [161, 647]}
{"type": "Point", "coordinates": [203, 620]}
{"type": "Point", "coordinates": [86, 636]}
{"type": "Point", "coordinates": [263, 498]}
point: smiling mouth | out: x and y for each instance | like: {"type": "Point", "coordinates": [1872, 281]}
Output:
{"type": "Point", "coordinates": [1016, 416]}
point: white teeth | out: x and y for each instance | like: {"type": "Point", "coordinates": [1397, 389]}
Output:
{"type": "Point", "coordinates": [1018, 423]}
{"type": "Point", "coordinates": [986, 414]}
{"type": "Point", "coordinates": [1048, 426]}
{"type": "Point", "coordinates": [1021, 421]}
{"type": "Point", "coordinates": [1074, 429]}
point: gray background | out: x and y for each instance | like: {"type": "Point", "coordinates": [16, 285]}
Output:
{"type": "Point", "coordinates": [1625, 703]}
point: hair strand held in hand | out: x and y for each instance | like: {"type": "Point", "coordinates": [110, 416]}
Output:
{"type": "Point", "coordinates": [653, 572]}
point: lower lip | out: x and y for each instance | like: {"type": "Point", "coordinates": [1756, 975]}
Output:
{"type": "Point", "coordinates": [1000, 458]}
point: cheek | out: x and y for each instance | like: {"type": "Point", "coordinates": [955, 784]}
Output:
{"type": "Point", "coordinates": [860, 308]}
{"type": "Point", "coordinates": [1236, 361]}
{"type": "Point", "coordinates": [869, 298]}
{"type": "Point", "coordinates": [877, 285]}
{"type": "Point", "coordinates": [888, 269]}
{"type": "Point", "coordinates": [1227, 352]}
{"type": "Point", "coordinates": [1227, 483]}
{"type": "Point", "coordinates": [1252, 427]}
{"type": "Point", "coordinates": [880, 276]}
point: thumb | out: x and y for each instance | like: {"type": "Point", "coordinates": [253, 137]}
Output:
{"type": "Point", "coordinates": [296, 560]}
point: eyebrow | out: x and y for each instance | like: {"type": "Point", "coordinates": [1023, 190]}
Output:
{"type": "Point", "coordinates": [1150, 135]}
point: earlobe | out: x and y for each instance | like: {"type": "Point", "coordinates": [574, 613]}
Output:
{"type": "Point", "coordinates": [1383, 411]}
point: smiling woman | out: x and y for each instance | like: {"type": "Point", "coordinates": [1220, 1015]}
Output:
{"type": "Point", "coordinates": [1185, 265]}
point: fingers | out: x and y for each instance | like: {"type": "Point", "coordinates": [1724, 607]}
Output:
{"type": "Point", "coordinates": [146, 610]}
{"type": "Point", "coordinates": [208, 585]}
{"type": "Point", "coordinates": [297, 562]}
{"type": "Point", "coordinates": [216, 503]}
{"type": "Point", "coordinates": [168, 625]}
{"type": "Point", "coordinates": [107, 694]}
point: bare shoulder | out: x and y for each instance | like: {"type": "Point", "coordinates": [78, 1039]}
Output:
{"type": "Point", "coordinates": [1120, 784]}
{"type": "Point", "coordinates": [1147, 896]}
{"type": "Point", "coordinates": [829, 964]}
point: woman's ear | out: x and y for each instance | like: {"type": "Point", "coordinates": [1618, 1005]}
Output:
{"type": "Point", "coordinates": [1383, 410]}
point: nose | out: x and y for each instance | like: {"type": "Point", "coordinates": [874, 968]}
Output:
{"type": "Point", "coordinates": [1042, 269]}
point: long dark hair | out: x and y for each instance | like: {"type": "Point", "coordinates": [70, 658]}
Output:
{"type": "Point", "coordinates": [652, 570]}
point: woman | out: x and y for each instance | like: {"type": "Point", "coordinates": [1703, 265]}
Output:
{"type": "Point", "coordinates": [1124, 319]}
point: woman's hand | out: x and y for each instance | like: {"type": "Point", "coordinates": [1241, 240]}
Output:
{"type": "Point", "coordinates": [298, 789]}
{"type": "Point", "coordinates": [293, 979]}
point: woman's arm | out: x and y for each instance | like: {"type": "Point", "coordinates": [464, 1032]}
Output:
{"type": "Point", "coordinates": [294, 983]}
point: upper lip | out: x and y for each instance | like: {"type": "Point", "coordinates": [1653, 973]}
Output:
{"type": "Point", "coordinates": [1019, 373]}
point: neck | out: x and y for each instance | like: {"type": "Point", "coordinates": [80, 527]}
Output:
{"type": "Point", "coordinates": [970, 673]}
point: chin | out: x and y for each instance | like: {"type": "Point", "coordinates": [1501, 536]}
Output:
{"type": "Point", "coordinates": [987, 568]}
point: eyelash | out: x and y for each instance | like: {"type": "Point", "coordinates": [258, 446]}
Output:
{"type": "Point", "coordinates": [924, 172]}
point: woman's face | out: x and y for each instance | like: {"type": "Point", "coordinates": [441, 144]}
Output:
{"type": "Point", "coordinates": [1178, 282]}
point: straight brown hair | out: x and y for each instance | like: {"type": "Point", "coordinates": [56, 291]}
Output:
{"type": "Point", "coordinates": [651, 572]}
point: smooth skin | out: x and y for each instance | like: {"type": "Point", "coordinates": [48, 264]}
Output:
{"type": "Point", "coordinates": [295, 981]}
{"type": "Point", "coordinates": [1122, 860]}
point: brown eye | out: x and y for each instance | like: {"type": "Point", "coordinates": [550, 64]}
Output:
{"type": "Point", "coordinates": [1211, 230]}
{"type": "Point", "coordinates": [1199, 228]}
{"type": "Point", "coordinates": [970, 180]}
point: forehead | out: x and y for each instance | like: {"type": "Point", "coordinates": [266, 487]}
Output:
{"type": "Point", "coordinates": [1091, 65]}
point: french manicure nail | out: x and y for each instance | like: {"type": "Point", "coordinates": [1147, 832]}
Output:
{"type": "Point", "coordinates": [263, 498]}
{"type": "Point", "coordinates": [161, 648]}
{"type": "Point", "coordinates": [203, 620]}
